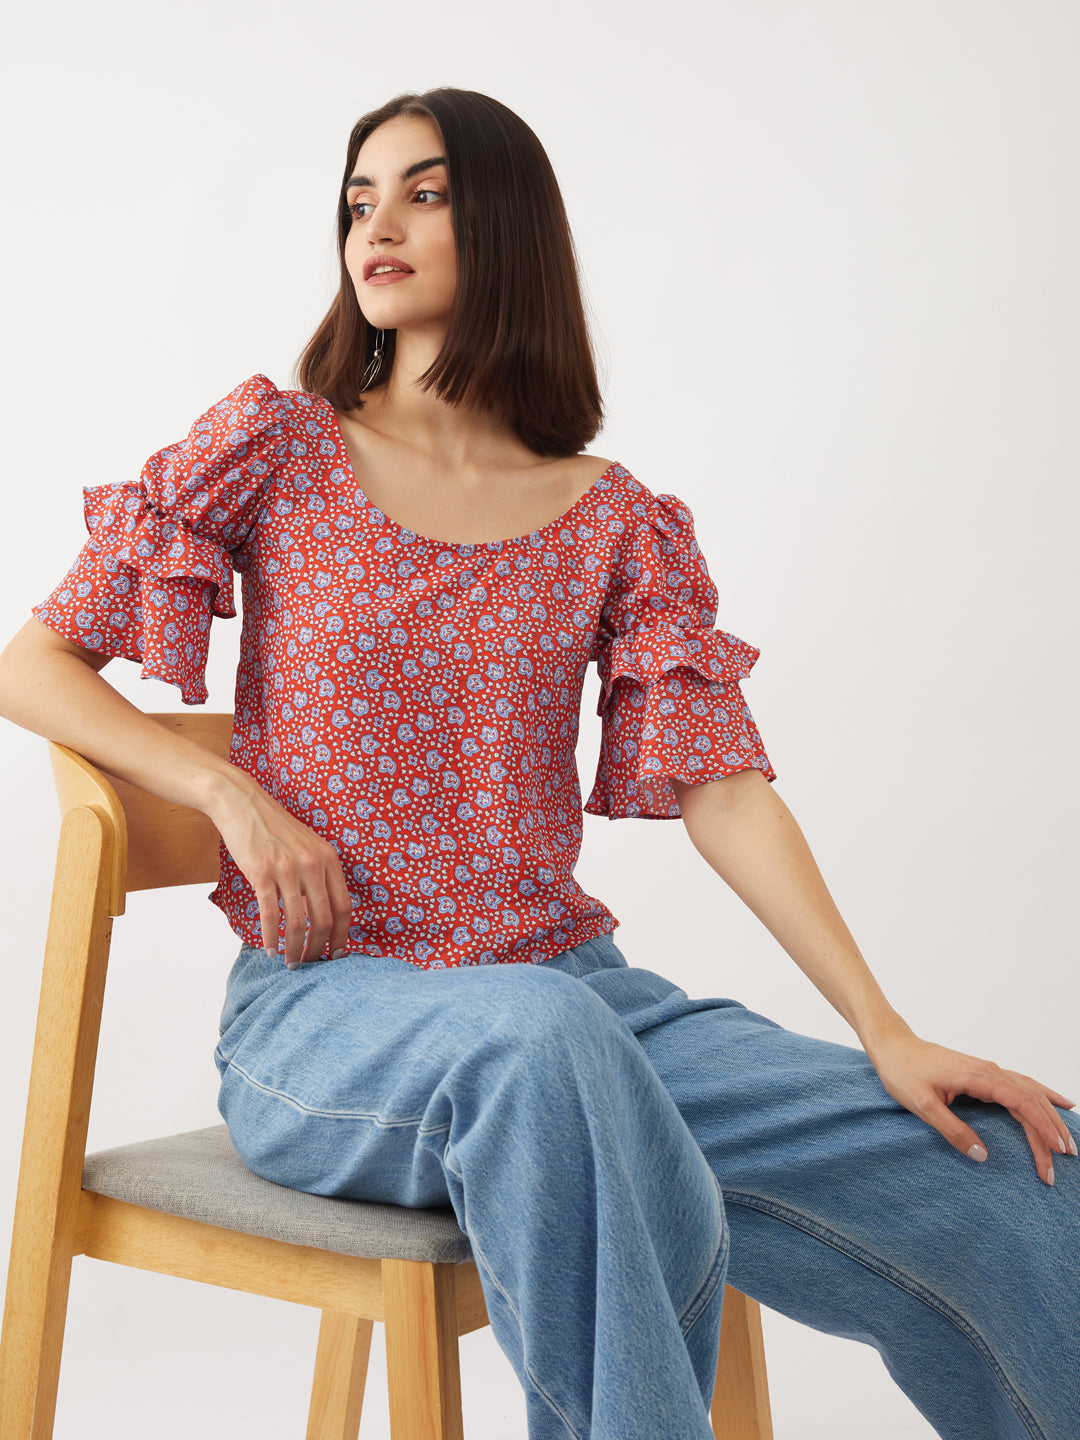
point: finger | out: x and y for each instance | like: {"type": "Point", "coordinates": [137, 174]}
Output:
{"type": "Point", "coordinates": [1060, 1136]}
{"type": "Point", "coordinates": [295, 927]}
{"type": "Point", "coordinates": [320, 918]}
{"type": "Point", "coordinates": [987, 1081]}
{"type": "Point", "coordinates": [327, 896]}
{"type": "Point", "coordinates": [260, 877]}
{"type": "Point", "coordinates": [1058, 1139]}
{"type": "Point", "coordinates": [1044, 1160]}
{"type": "Point", "coordinates": [1031, 1108]}
{"type": "Point", "coordinates": [269, 919]}
{"type": "Point", "coordinates": [1063, 1137]}
{"type": "Point", "coordinates": [959, 1135]}
{"type": "Point", "coordinates": [1044, 1121]}
{"type": "Point", "coordinates": [342, 902]}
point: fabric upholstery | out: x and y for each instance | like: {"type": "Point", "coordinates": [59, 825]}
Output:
{"type": "Point", "coordinates": [199, 1175]}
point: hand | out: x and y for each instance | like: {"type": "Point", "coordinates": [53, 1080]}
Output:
{"type": "Point", "coordinates": [926, 1078]}
{"type": "Point", "coordinates": [280, 855]}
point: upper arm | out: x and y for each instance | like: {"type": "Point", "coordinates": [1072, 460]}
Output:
{"type": "Point", "coordinates": [36, 639]}
{"type": "Point", "coordinates": [711, 795]}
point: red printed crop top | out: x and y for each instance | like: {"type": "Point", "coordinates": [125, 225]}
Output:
{"type": "Point", "coordinates": [415, 702]}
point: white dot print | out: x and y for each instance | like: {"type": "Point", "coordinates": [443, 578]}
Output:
{"type": "Point", "coordinates": [415, 702]}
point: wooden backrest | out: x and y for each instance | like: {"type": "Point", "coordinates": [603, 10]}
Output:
{"type": "Point", "coordinates": [159, 843]}
{"type": "Point", "coordinates": [114, 837]}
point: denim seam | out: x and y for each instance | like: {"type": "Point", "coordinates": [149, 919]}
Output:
{"type": "Point", "coordinates": [708, 1287]}
{"type": "Point", "coordinates": [900, 1280]}
{"type": "Point", "coordinates": [479, 1256]}
{"type": "Point", "coordinates": [689, 1316]}
{"type": "Point", "coordinates": [446, 1162]}
{"type": "Point", "coordinates": [379, 1120]}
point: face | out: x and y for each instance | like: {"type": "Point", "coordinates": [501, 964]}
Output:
{"type": "Point", "coordinates": [405, 217]}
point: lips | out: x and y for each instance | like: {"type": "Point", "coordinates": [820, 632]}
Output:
{"type": "Point", "coordinates": [374, 261]}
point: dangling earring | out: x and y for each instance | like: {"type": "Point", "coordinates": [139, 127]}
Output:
{"type": "Point", "coordinates": [376, 361]}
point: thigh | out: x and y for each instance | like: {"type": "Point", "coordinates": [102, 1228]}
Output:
{"type": "Point", "coordinates": [848, 1212]}
{"type": "Point", "coordinates": [792, 1119]}
{"type": "Point", "coordinates": [789, 1120]}
{"type": "Point", "coordinates": [344, 1077]}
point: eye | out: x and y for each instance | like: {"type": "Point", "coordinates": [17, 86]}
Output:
{"type": "Point", "coordinates": [358, 205]}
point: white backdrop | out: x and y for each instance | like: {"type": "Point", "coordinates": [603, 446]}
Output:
{"type": "Point", "coordinates": [830, 252]}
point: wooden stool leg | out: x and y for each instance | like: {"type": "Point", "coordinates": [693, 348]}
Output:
{"type": "Point", "coordinates": [740, 1408]}
{"type": "Point", "coordinates": [422, 1350]}
{"type": "Point", "coordinates": [341, 1362]}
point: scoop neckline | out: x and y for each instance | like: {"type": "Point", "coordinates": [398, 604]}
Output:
{"type": "Point", "coordinates": [454, 544]}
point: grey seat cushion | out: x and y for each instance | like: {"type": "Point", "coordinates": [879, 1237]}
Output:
{"type": "Point", "coordinates": [200, 1176]}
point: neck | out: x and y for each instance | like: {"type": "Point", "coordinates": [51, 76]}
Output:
{"type": "Point", "coordinates": [454, 437]}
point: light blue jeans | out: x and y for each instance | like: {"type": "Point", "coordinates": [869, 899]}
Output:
{"type": "Point", "coordinates": [616, 1150]}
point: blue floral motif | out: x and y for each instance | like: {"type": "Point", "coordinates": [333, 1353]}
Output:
{"type": "Point", "coordinates": [415, 700]}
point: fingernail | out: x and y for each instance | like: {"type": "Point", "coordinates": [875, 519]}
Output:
{"type": "Point", "coordinates": [1061, 1145]}
{"type": "Point", "coordinates": [1072, 1146]}
{"type": "Point", "coordinates": [977, 1152]}
{"type": "Point", "coordinates": [338, 955]}
{"type": "Point", "coordinates": [1050, 1176]}
{"type": "Point", "coordinates": [292, 964]}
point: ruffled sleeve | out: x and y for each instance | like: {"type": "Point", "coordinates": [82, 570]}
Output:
{"type": "Point", "coordinates": [158, 565]}
{"type": "Point", "coordinates": [670, 697]}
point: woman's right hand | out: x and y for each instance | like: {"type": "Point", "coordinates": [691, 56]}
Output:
{"type": "Point", "coordinates": [53, 687]}
{"type": "Point", "coordinates": [283, 857]}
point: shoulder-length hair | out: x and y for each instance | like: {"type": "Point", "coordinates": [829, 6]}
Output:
{"type": "Point", "coordinates": [517, 342]}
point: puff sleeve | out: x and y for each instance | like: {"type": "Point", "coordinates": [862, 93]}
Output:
{"type": "Point", "coordinates": [670, 697]}
{"type": "Point", "coordinates": [158, 564]}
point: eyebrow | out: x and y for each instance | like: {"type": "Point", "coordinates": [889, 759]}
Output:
{"type": "Point", "coordinates": [406, 174]}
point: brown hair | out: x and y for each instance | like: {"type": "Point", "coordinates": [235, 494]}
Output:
{"type": "Point", "coordinates": [517, 341]}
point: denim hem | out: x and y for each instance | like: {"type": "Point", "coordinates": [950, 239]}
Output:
{"type": "Point", "coordinates": [896, 1277]}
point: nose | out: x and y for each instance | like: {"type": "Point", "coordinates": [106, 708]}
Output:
{"type": "Point", "coordinates": [384, 223]}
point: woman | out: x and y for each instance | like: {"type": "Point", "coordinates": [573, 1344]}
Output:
{"type": "Point", "coordinates": [403, 804]}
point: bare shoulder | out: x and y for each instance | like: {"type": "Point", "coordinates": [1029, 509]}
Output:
{"type": "Point", "coordinates": [593, 465]}
{"type": "Point", "coordinates": [355, 427]}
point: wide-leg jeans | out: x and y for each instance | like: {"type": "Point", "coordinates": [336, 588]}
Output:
{"type": "Point", "coordinates": [616, 1150]}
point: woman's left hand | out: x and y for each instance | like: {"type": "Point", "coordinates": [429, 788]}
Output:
{"type": "Point", "coordinates": [926, 1078]}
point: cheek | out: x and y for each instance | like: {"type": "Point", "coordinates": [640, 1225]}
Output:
{"type": "Point", "coordinates": [354, 256]}
{"type": "Point", "coordinates": [447, 248]}
{"type": "Point", "coordinates": [448, 260]}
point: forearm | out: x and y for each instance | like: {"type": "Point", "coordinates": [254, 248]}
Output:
{"type": "Point", "coordinates": [48, 686]}
{"type": "Point", "coordinates": [751, 839]}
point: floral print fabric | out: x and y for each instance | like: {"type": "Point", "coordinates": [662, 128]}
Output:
{"type": "Point", "coordinates": [415, 702]}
